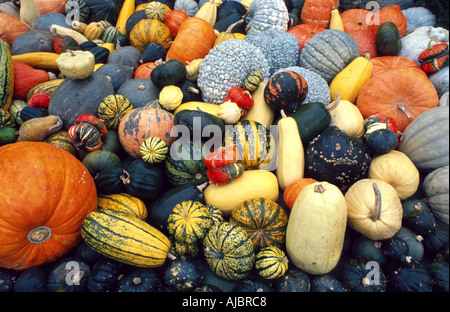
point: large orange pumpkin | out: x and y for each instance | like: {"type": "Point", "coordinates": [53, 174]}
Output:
{"type": "Point", "coordinates": [392, 14]}
{"type": "Point", "coordinates": [383, 63]}
{"type": "Point", "coordinates": [355, 19]}
{"type": "Point", "coordinates": [148, 31]}
{"type": "Point", "coordinates": [194, 39]}
{"type": "Point", "coordinates": [11, 27]}
{"type": "Point", "coordinates": [46, 194]}
{"type": "Point", "coordinates": [173, 21]}
{"type": "Point", "coordinates": [318, 12]}
{"type": "Point", "coordinates": [366, 41]}
{"type": "Point", "coordinates": [304, 32]}
{"type": "Point", "coordinates": [143, 122]}
{"type": "Point", "coordinates": [401, 93]}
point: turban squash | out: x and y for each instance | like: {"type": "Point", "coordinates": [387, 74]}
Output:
{"type": "Point", "coordinates": [400, 93]}
{"type": "Point", "coordinates": [40, 219]}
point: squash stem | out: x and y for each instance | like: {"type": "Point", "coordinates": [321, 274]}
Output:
{"type": "Point", "coordinates": [283, 259]}
{"type": "Point", "coordinates": [215, 254]}
{"type": "Point", "coordinates": [125, 178]}
{"type": "Point", "coordinates": [376, 212]}
{"type": "Point", "coordinates": [283, 114]}
{"type": "Point", "coordinates": [170, 256]}
{"type": "Point", "coordinates": [335, 103]}
{"type": "Point", "coordinates": [318, 188]}
{"type": "Point", "coordinates": [403, 109]}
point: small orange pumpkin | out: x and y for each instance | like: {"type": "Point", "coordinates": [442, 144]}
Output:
{"type": "Point", "coordinates": [46, 194]}
{"type": "Point", "coordinates": [144, 70]}
{"type": "Point", "coordinates": [173, 21]}
{"type": "Point", "coordinates": [318, 12]}
{"type": "Point", "coordinates": [304, 32]}
{"type": "Point", "coordinates": [291, 192]}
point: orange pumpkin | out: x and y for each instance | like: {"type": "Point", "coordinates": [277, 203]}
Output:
{"type": "Point", "coordinates": [366, 42]}
{"type": "Point", "coordinates": [173, 21]}
{"type": "Point", "coordinates": [11, 27]}
{"type": "Point", "coordinates": [304, 32]}
{"type": "Point", "coordinates": [194, 39]}
{"type": "Point", "coordinates": [144, 70]}
{"type": "Point", "coordinates": [46, 6]}
{"type": "Point", "coordinates": [392, 14]}
{"type": "Point", "coordinates": [356, 19]}
{"type": "Point", "coordinates": [46, 194]}
{"type": "Point", "coordinates": [383, 63]}
{"type": "Point", "coordinates": [400, 93]}
{"type": "Point", "coordinates": [25, 78]}
{"type": "Point", "coordinates": [150, 31]}
{"type": "Point", "coordinates": [291, 192]}
{"type": "Point", "coordinates": [143, 122]}
{"type": "Point", "coordinates": [318, 12]}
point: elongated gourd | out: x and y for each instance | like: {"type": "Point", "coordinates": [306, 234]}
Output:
{"type": "Point", "coordinates": [291, 155]}
{"type": "Point", "coordinates": [208, 12]}
{"type": "Point", "coordinates": [29, 12]}
{"type": "Point", "coordinates": [209, 108]}
{"type": "Point", "coordinates": [127, 9]}
{"type": "Point", "coordinates": [6, 76]}
{"type": "Point", "coordinates": [260, 112]}
{"type": "Point", "coordinates": [79, 26]}
{"type": "Point", "coordinates": [316, 228]}
{"type": "Point", "coordinates": [125, 238]}
{"type": "Point", "coordinates": [41, 60]}
{"type": "Point", "coordinates": [64, 31]}
{"type": "Point", "coordinates": [251, 184]}
{"type": "Point", "coordinates": [350, 80]}
{"type": "Point", "coordinates": [123, 202]}
{"type": "Point", "coordinates": [336, 20]}
{"type": "Point", "coordinates": [40, 128]}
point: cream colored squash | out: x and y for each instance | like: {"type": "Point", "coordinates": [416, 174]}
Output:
{"type": "Point", "coordinates": [252, 184]}
{"type": "Point", "coordinates": [347, 117]}
{"type": "Point", "coordinates": [374, 209]}
{"type": "Point", "coordinates": [208, 12]}
{"type": "Point", "coordinates": [398, 170]}
{"type": "Point", "coordinates": [316, 228]}
{"type": "Point", "coordinates": [229, 112]}
{"type": "Point", "coordinates": [76, 64]}
{"type": "Point", "coordinates": [260, 112]}
{"type": "Point", "coordinates": [192, 69]}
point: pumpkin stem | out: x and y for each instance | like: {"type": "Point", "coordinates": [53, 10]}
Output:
{"type": "Point", "coordinates": [318, 188]}
{"type": "Point", "coordinates": [201, 187]}
{"type": "Point", "coordinates": [367, 56]}
{"type": "Point", "coordinates": [402, 107]}
{"type": "Point", "coordinates": [230, 28]}
{"type": "Point", "coordinates": [283, 114]}
{"type": "Point", "coordinates": [125, 178]}
{"type": "Point", "coordinates": [137, 280]}
{"type": "Point", "coordinates": [39, 235]}
{"type": "Point", "coordinates": [170, 256]}
{"type": "Point", "coordinates": [431, 41]}
{"type": "Point", "coordinates": [283, 259]}
{"type": "Point", "coordinates": [192, 89]}
{"type": "Point", "coordinates": [376, 212]}
{"type": "Point", "coordinates": [335, 103]}
{"type": "Point", "coordinates": [215, 254]}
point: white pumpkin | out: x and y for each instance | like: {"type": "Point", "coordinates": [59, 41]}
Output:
{"type": "Point", "coordinates": [418, 40]}
{"type": "Point", "coordinates": [419, 17]}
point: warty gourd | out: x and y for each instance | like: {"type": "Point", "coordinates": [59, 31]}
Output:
{"type": "Point", "coordinates": [267, 14]}
{"type": "Point", "coordinates": [226, 66]}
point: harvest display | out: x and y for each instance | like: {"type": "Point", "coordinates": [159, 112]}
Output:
{"type": "Point", "coordinates": [224, 146]}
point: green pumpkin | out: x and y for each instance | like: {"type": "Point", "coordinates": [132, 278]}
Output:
{"type": "Point", "coordinates": [189, 222]}
{"type": "Point", "coordinates": [264, 221]}
{"type": "Point", "coordinates": [8, 135]}
{"type": "Point", "coordinates": [183, 274]}
{"type": "Point", "coordinates": [229, 251]}
{"type": "Point", "coordinates": [57, 280]}
{"type": "Point", "coordinates": [97, 161]}
{"type": "Point", "coordinates": [388, 40]}
{"type": "Point", "coordinates": [355, 276]}
{"type": "Point", "coordinates": [271, 262]}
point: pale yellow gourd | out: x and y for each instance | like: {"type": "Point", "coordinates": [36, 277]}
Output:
{"type": "Point", "coordinates": [350, 80]}
{"type": "Point", "coordinates": [192, 69]}
{"type": "Point", "coordinates": [291, 155]}
{"type": "Point", "coordinates": [93, 30]}
{"type": "Point", "coordinates": [64, 31]}
{"type": "Point", "coordinates": [209, 108]}
{"type": "Point", "coordinates": [398, 170]}
{"type": "Point", "coordinates": [347, 117]}
{"type": "Point", "coordinates": [260, 112]}
{"type": "Point", "coordinates": [126, 11]}
{"type": "Point", "coordinates": [336, 20]}
{"type": "Point", "coordinates": [76, 64]}
{"type": "Point", "coordinates": [374, 209]}
{"type": "Point", "coordinates": [251, 184]}
{"type": "Point", "coordinates": [229, 112]}
{"type": "Point", "coordinates": [170, 97]}
{"type": "Point", "coordinates": [316, 228]}
{"type": "Point", "coordinates": [208, 12]}
{"type": "Point", "coordinates": [29, 13]}
{"type": "Point", "coordinates": [79, 26]}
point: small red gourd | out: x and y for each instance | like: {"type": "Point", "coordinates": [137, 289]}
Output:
{"type": "Point", "coordinates": [223, 165]}
{"type": "Point", "coordinates": [94, 121]}
{"type": "Point", "coordinates": [40, 100]}
{"type": "Point", "coordinates": [434, 57]}
{"type": "Point", "coordinates": [241, 97]}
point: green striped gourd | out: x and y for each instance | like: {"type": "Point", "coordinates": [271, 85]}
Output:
{"type": "Point", "coordinates": [123, 202]}
{"type": "Point", "coordinates": [6, 76]}
{"type": "Point", "coordinates": [271, 262]}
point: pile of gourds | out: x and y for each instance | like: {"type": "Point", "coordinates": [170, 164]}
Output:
{"type": "Point", "coordinates": [212, 145]}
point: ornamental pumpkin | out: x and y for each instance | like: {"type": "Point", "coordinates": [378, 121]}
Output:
{"type": "Point", "coordinates": [189, 222]}
{"type": "Point", "coordinates": [54, 215]}
{"type": "Point", "coordinates": [112, 109]}
{"type": "Point", "coordinates": [434, 58]}
{"type": "Point", "coordinates": [147, 31]}
{"type": "Point", "coordinates": [264, 221]}
{"type": "Point", "coordinates": [383, 63]}
{"type": "Point", "coordinates": [318, 12]}
{"type": "Point", "coordinates": [356, 19]}
{"type": "Point", "coordinates": [76, 64]}
{"type": "Point", "coordinates": [154, 150]}
{"type": "Point", "coordinates": [170, 97]}
{"type": "Point", "coordinates": [292, 191]}
{"type": "Point", "coordinates": [304, 32]}
{"type": "Point", "coordinates": [142, 122]}
{"type": "Point", "coordinates": [195, 37]}
{"type": "Point", "coordinates": [374, 209]}
{"type": "Point", "coordinates": [401, 93]}
{"type": "Point", "coordinates": [271, 262]}
{"type": "Point", "coordinates": [173, 21]}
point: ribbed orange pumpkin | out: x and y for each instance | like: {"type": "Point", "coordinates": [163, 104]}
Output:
{"type": "Point", "coordinates": [383, 63]}
{"type": "Point", "coordinates": [400, 93]}
{"type": "Point", "coordinates": [304, 32]}
{"type": "Point", "coordinates": [355, 19]}
{"type": "Point", "coordinates": [194, 39]}
{"type": "Point", "coordinates": [46, 193]}
{"type": "Point", "coordinates": [150, 31]}
{"type": "Point", "coordinates": [173, 21]}
{"type": "Point", "coordinates": [291, 192]}
{"type": "Point", "coordinates": [144, 70]}
{"type": "Point", "coordinates": [143, 122]}
{"type": "Point", "coordinates": [318, 12]}
{"type": "Point", "coordinates": [392, 14]}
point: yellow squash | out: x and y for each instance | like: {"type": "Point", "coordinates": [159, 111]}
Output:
{"type": "Point", "coordinates": [208, 12]}
{"type": "Point", "coordinates": [210, 108]}
{"type": "Point", "coordinates": [127, 9]}
{"type": "Point", "coordinates": [316, 228]}
{"type": "Point", "coordinates": [336, 20]}
{"type": "Point", "coordinates": [41, 60]}
{"type": "Point", "coordinates": [260, 112]}
{"type": "Point", "coordinates": [291, 155]}
{"type": "Point", "coordinates": [350, 80]}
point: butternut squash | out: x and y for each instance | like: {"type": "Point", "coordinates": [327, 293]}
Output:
{"type": "Point", "coordinates": [252, 184]}
{"type": "Point", "coordinates": [41, 60]}
{"type": "Point", "coordinates": [350, 80]}
{"type": "Point", "coordinates": [60, 30]}
{"type": "Point", "coordinates": [208, 12]}
{"type": "Point", "coordinates": [260, 112]}
{"type": "Point", "coordinates": [316, 228]}
{"type": "Point", "coordinates": [291, 155]}
{"type": "Point", "coordinates": [40, 128]}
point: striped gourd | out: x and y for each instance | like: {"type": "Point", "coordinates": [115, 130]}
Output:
{"type": "Point", "coordinates": [154, 150]}
{"type": "Point", "coordinates": [46, 86]}
{"type": "Point", "coordinates": [252, 81]}
{"type": "Point", "coordinates": [125, 238]}
{"type": "Point", "coordinates": [15, 108]}
{"type": "Point", "coordinates": [216, 214]}
{"type": "Point", "coordinates": [189, 222]}
{"type": "Point", "coordinates": [123, 202]}
{"type": "Point", "coordinates": [6, 76]}
{"type": "Point", "coordinates": [80, 8]}
{"type": "Point", "coordinates": [6, 119]}
{"type": "Point", "coordinates": [271, 262]}
{"type": "Point", "coordinates": [62, 140]}
{"type": "Point", "coordinates": [264, 221]}
{"type": "Point", "coordinates": [254, 142]}
{"type": "Point", "coordinates": [110, 34]}
{"type": "Point", "coordinates": [178, 248]}
{"type": "Point", "coordinates": [156, 10]}
{"type": "Point", "coordinates": [112, 109]}
{"type": "Point", "coordinates": [229, 251]}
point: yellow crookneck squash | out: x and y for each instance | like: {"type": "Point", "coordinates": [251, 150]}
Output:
{"type": "Point", "coordinates": [127, 9]}
{"type": "Point", "coordinates": [291, 155]}
{"type": "Point", "coordinates": [350, 80]}
{"type": "Point", "coordinates": [316, 228]}
{"type": "Point", "coordinates": [336, 20]}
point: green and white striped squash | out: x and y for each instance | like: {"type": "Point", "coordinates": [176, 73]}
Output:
{"type": "Point", "coordinates": [154, 150]}
{"type": "Point", "coordinates": [110, 34]}
{"type": "Point", "coordinates": [15, 108]}
{"type": "Point", "coordinates": [6, 76]}
{"type": "Point", "coordinates": [125, 238]}
{"type": "Point", "coordinates": [155, 10]}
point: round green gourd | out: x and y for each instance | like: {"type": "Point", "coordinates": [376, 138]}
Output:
{"type": "Point", "coordinates": [229, 251]}
{"type": "Point", "coordinates": [215, 213]}
{"type": "Point", "coordinates": [388, 40]}
{"type": "Point", "coordinates": [97, 161]}
{"type": "Point", "coordinates": [294, 280]}
{"type": "Point", "coordinates": [440, 273]}
{"type": "Point", "coordinates": [357, 277]}
{"type": "Point", "coordinates": [140, 280]}
{"type": "Point", "coordinates": [417, 216]}
{"type": "Point", "coordinates": [414, 277]}
{"type": "Point", "coordinates": [414, 242]}
{"type": "Point", "coordinates": [60, 276]}
{"type": "Point", "coordinates": [183, 274]}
